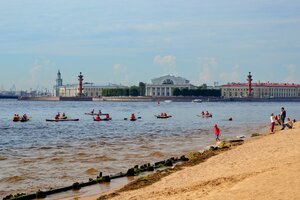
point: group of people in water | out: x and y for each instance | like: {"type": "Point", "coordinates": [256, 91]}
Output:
{"type": "Point", "coordinates": [280, 120]}
{"type": "Point", "coordinates": [17, 118]}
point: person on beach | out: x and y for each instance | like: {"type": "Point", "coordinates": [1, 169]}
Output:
{"type": "Point", "coordinates": [272, 118]}
{"type": "Point", "coordinates": [217, 133]}
{"type": "Point", "coordinates": [282, 117]}
{"type": "Point", "coordinates": [289, 123]}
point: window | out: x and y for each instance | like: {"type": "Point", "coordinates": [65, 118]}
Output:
{"type": "Point", "coordinates": [168, 82]}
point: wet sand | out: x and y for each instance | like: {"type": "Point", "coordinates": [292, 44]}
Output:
{"type": "Point", "coordinates": [266, 167]}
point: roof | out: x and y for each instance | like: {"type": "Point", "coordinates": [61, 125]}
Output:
{"type": "Point", "coordinates": [262, 85]}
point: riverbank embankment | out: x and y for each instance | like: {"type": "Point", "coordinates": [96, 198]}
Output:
{"type": "Point", "coordinates": [266, 167]}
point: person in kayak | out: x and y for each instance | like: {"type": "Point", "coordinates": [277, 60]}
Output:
{"type": "Point", "coordinates": [107, 116]}
{"type": "Point", "coordinates": [63, 116]}
{"type": "Point", "coordinates": [92, 112]}
{"type": "Point", "coordinates": [99, 112]}
{"type": "Point", "coordinates": [132, 117]}
{"type": "Point", "coordinates": [97, 118]}
{"type": "Point", "coordinates": [203, 114]}
{"type": "Point", "coordinates": [165, 115]}
{"type": "Point", "coordinates": [16, 118]}
{"type": "Point", "coordinates": [207, 113]}
{"type": "Point", "coordinates": [57, 116]}
{"type": "Point", "coordinates": [161, 114]}
{"type": "Point", "coordinates": [24, 117]}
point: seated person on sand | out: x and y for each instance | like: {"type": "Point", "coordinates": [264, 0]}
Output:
{"type": "Point", "coordinates": [289, 123]}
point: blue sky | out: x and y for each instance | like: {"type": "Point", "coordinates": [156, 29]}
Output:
{"type": "Point", "coordinates": [137, 40]}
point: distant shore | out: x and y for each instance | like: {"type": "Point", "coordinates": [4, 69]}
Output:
{"type": "Point", "coordinates": [160, 99]}
{"type": "Point", "coordinates": [266, 167]}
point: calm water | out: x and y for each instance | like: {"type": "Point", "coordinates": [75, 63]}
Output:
{"type": "Point", "coordinates": [40, 155]}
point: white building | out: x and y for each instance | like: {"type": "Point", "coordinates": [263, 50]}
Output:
{"type": "Point", "coordinates": [89, 89]}
{"type": "Point", "coordinates": [261, 90]}
{"type": "Point", "coordinates": [165, 85]}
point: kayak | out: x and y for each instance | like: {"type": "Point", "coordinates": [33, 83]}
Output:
{"type": "Point", "coordinates": [102, 120]}
{"type": "Point", "coordinates": [205, 115]}
{"type": "Point", "coordinates": [20, 120]}
{"type": "Point", "coordinates": [163, 117]}
{"type": "Point", "coordinates": [133, 119]}
{"type": "Point", "coordinates": [61, 120]}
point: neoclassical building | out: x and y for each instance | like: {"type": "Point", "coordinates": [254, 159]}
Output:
{"type": "Point", "coordinates": [261, 90]}
{"type": "Point", "coordinates": [88, 89]}
{"type": "Point", "coordinates": [164, 86]}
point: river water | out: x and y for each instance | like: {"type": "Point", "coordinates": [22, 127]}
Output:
{"type": "Point", "coordinates": [42, 155]}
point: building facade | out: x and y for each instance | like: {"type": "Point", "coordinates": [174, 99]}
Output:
{"type": "Point", "coordinates": [261, 90]}
{"type": "Point", "coordinates": [59, 83]}
{"type": "Point", "coordinates": [84, 89]}
{"type": "Point", "coordinates": [164, 86]}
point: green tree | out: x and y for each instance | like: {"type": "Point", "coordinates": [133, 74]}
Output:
{"type": "Point", "coordinates": [176, 92]}
{"type": "Point", "coordinates": [142, 88]}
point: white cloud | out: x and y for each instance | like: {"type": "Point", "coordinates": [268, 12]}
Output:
{"type": "Point", "coordinates": [232, 76]}
{"type": "Point", "coordinates": [208, 69]}
{"type": "Point", "coordinates": [168, 62]}
{"type": "Point", "coordinates": [39, 74]}
{"type": "Point", "coordinates": [291, 74]}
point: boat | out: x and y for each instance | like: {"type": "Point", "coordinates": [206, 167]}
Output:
{"type": "Point", "coordinates": [24, 120]}
{"type": "Point", "coordinates": [105, 119]}
{"type": "Point", "coordinates": [203, 116]}
{"type": "Point", "coordinates": [163, 117]}
{"type": "Point", "coordinates": [62, 120]}
{"type": "Point", "coordinates": [197, 101]}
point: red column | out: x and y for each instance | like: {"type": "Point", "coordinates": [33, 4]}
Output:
{"type": "Point", "coordinates": [80, 88]}
{"type": "Point", "coordinates": [249, 84]}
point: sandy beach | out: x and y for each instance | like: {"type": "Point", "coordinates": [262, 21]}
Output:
{"type": "Point", "coordinates": [266, 167]}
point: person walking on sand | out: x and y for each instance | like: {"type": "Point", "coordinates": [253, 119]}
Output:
{"type": "Point", "coordinates": [282, 117]}
{"type": "Point", "coordinates": [217, 132]}
{"type": "Point", "coordinates": [272, 118]}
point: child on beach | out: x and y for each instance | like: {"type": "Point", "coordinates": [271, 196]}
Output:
{"type": "Point", "coordinates": [217, 132]}
{"type": "Point", "coordinates": [272, 118]}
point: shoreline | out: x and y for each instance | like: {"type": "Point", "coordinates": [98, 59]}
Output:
{"type": "Point", "coordinates": [168, 186]}
{"type": "Point", "coordinates": [156, 99]}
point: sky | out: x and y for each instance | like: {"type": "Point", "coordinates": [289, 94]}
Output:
{"type": "Point", "coordinates": [128, 41]}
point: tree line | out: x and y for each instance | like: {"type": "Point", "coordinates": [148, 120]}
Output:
{"type": "Point", "coordinates": [130, 91]}
{"type": "Point", "coordinates": [197, 92]}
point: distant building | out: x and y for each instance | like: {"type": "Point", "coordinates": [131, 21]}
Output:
{"type": "Point", "coordinates": [87, 89]}
{"type": "Point", "coordinates": [90, 90]}
{"type": "Point", "coordinates": [165, 85]}
{"type": "Point", "coordinates": [260, 90]}
{"type": "Point", "coordinates": [59, 83]}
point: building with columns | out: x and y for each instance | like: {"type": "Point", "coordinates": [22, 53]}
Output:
{"type": "Point", "coordinates": [260, 90]}
{"type": "Point", "coordinates": [81, 88]}
{"type": "Point", "coordinates": [165, 85]}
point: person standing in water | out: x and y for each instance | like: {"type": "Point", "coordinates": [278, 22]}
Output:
{"type": "Point", "coordinates": [217, 133]}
